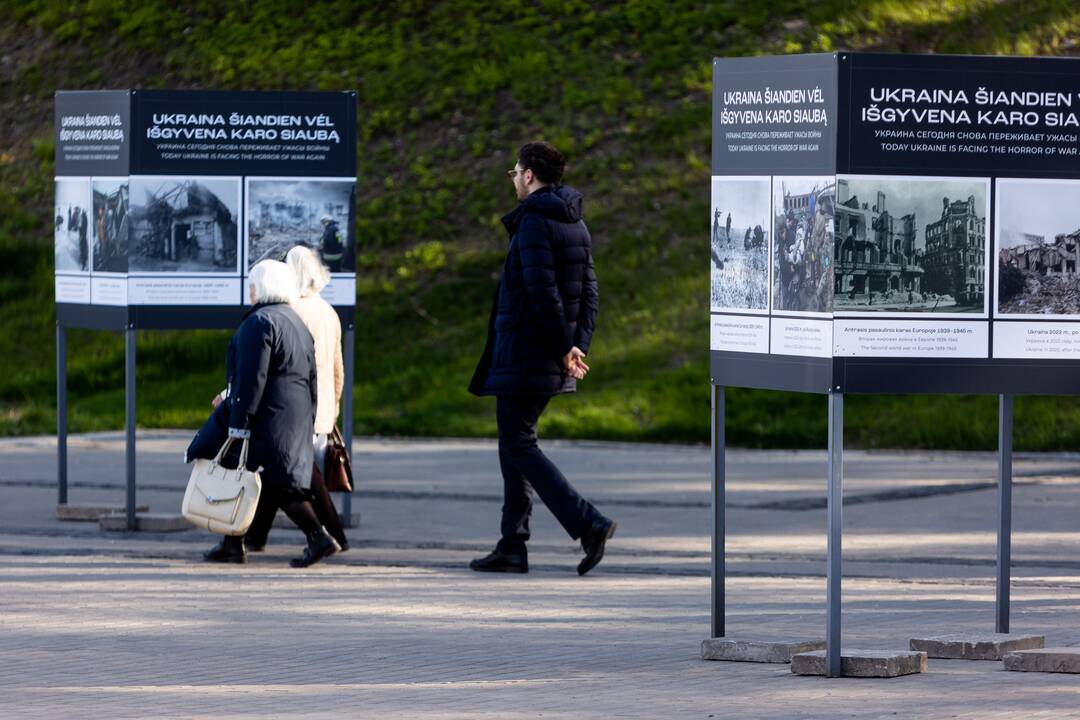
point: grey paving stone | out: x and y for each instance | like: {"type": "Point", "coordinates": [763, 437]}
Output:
{"type": "Point", "coordinates": [147, 522]}
{"type": "Point", "coordinates": [975, 646]}
{"type": "Point", "coordinates": [90, 513]}
{"type": "Point", "coordinates": [756, 650]}
{"type": "Point", "coordinates": [1046, 660]}
{"type": "Point", "coordinates": [862, 663]}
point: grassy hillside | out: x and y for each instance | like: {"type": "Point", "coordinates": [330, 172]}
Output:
{"type": "Point", "coordinates": [447, 91]}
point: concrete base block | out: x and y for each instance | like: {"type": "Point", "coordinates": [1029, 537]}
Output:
{"type": "Point", "coordinates": [862, 663]}
{"type": "Point", "coordinates": [1049, 660]}
{"type": "Point", "coordinates": [976, 646]}
{"type": "Point", "coordinates": [146, 522]}
{"type": "Point", "coordinates": [756, 651]}
{"type": "Point", "coordinates": [281, 520]}
{"type": "Point", "coordinates": [91, 513]}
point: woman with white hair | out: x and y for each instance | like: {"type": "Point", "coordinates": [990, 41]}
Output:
{"type": "Point", "coordinates": [325, 327]}
{"type": "Point", "coordinates": [270, 397]}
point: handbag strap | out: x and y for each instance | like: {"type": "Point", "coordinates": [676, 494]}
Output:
{"type": "Point", "coordinates": [242, 465]}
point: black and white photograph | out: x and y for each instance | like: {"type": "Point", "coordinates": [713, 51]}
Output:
{"type": "Point", "coordinates": [1038, 248]}
{"type": "Point", "coordinates": [72, 225]}
{"type": "Point", "coordinates": [911, 245]}
{"type": "Point", "coordinates": [319, 213]}
{"type": "Point", "coordinates": [184, 225]}
{"type": "Point", "coordinates": [110, 225]}
{"type": "Point", "coordinates": [803, 228]}
{"type": "Point", "coordinates": [740, 244]}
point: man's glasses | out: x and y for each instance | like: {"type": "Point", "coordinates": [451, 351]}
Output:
{"type": "Point", "coordinates": [514, 173]}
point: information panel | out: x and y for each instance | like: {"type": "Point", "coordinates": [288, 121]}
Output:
{"type": "Point", "coordinates": [166, 199]}
{"type": "Point", "coordinates": [896, 223]}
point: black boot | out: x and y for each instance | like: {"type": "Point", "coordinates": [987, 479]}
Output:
{"type": "Point", "coordinates": [592, 542]}
{"type": "Point", "coordinates": [229, 550]}
{"type": "Point", "coordinates": [320, 545]}
{"type": "Point", "coordinates": [505, 562]}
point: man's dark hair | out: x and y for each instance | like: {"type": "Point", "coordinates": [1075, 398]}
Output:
{"type": "Point", "coordinates": [544, 160]}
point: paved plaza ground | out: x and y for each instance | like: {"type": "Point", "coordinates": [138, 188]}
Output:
{"type": "Point", "coordinates": [111, 625]}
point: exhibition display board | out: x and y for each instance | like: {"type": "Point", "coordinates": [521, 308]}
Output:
{"type": "Point", "coordinates": [164, 202]}
{"type": "Point", "coordinates": [896, 223]}
{"type": "Point", "coordinates": [893, 224]}
{"type": "Point", "coordinates": [166, 199]}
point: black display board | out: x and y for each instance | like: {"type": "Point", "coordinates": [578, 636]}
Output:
{"type": "Point", "coordinates": [166, 199]}
{"type": "Point", "coordinates": [896, 223]}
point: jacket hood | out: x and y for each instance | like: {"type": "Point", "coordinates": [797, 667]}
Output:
{"type": "Point", "coordinates": [560, 203]}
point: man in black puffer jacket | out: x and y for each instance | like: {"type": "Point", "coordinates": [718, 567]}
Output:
{"type": "Point", "coordinates": [541, 324]}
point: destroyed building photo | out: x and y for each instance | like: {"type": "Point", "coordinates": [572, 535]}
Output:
{"type": "Point", "coordinates": [902, 245]}
{"type": "Point", "coordinates": [740, 243]}
{"type": "Point", "coordinates": [1038, 248]}
{"type": "Point", "coordinates": [283, 213]}
{"type": "Point", "coordinates": [110, 225]}
{"type": "Point", "coordinates": [804, 227]}
{"type": "Point", "coordinates": [183, 225]}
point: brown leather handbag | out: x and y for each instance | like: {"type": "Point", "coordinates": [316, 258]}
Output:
{"type": "Point", "coordinates": [338, 475]}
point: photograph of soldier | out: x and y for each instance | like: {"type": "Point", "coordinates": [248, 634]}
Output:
{"type": "Point", "coordinates": [72, 225]}
{"type": "Point", "coordinates": [184, 224]}
{"type": "Point", "coordinates": [282, 213]}
{"type": "Point", "coordinates": [111, 227]}
{"type": "Point", "coordinates": [803, 232]}
{"type": "Point", "coordinates": [910, 245]}
{"type": "Point", "coordinates": [740, 243]}
{"type": "Point", "coordinates": [1038, 248]}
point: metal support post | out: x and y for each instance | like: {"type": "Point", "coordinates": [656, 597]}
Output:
{"type": "Point", "coordinates": [835, 502]}
{"type": "Point", "coordinates": [129, 396]}
{"type": "Point", "coordinates": [1004, 513]}
{"type": "Point", "coordinates": [61, 416]}
{"type": "Point", "coordinates": [347, 420]}
{"type": "Point", "coordinates": [718, 520]}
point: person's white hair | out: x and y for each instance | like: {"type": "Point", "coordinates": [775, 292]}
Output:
{"type": "Point", "coordinates": [311, 274]}
{"type": "Point", "coordinates": [274, 282]}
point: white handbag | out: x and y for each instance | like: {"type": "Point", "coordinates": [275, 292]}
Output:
{"type": "Point", "coordinates": [222, 500]}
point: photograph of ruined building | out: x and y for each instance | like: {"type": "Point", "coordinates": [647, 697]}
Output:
{"type": "Point", "coordinates": [740, 243]}
{"type": "Point", "coordinates": [803, 229]}
{"type": "Point", "coordinates": [319, 213]}
{"type": "Point", "coordinates": [184, 225]}
{"type": "Point", "coordinates": [110, 225]}
{"type": "Point", "coordinates": [1038, 248]}
{"type": "Point", "coordinates": [910, 245]}
{"type": "Point", "coordinates": [71, 222]}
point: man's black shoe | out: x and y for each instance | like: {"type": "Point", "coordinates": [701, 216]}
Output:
{"type": "Point", "coordinates": [229, 550]}
{"type": "Point", "coordinates": [321, 545]}
{"type": "Point", "coordinates": [254, 548]}
{"type": "Point", "coordinates": [501, 562]}
{"type": "Point", "coordinates": [593, 542]}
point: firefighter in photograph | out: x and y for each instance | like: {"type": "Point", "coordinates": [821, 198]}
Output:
{"type": "Point", "coordinates": [331, 245]}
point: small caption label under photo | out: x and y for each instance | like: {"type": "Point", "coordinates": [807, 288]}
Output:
{"type": "Point", "coordinates": [903, 339]}
{"type": "Point", "coordinates": [733, 333]}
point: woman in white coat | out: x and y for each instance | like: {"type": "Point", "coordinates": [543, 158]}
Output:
{"type": "Point", "coordinates": [325, 328]}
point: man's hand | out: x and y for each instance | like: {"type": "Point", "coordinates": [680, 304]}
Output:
{"type": "Point", "coordinates": [574, 362]}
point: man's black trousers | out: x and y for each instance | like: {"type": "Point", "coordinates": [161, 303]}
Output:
{"type": "Point", "coordinates": [525, 468]}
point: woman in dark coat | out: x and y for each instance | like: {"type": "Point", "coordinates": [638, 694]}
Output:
{"type": "Point", "coordinates": [270, 397]}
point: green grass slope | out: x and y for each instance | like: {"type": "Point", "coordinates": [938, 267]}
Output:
{"type": "Point", "coordinates": [447, 91]}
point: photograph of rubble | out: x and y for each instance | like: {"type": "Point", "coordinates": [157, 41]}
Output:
{"type": "Point", "coordinates": [317, 212]}
{"type": "Point", "coordinates": [803, 209]}
{"type": "Point", "coordinates": [71, 222]}
{"type": "Point", "coordinates": [110, 226]}
{"type": "Point", "coordinates": [740, 244]}
{"type": "Point", "coordinates": [184, 225]}
{"type": "Point", "coordinates": [911, 245]}
{"type": "Point", "coordinates": [1038, 248]}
